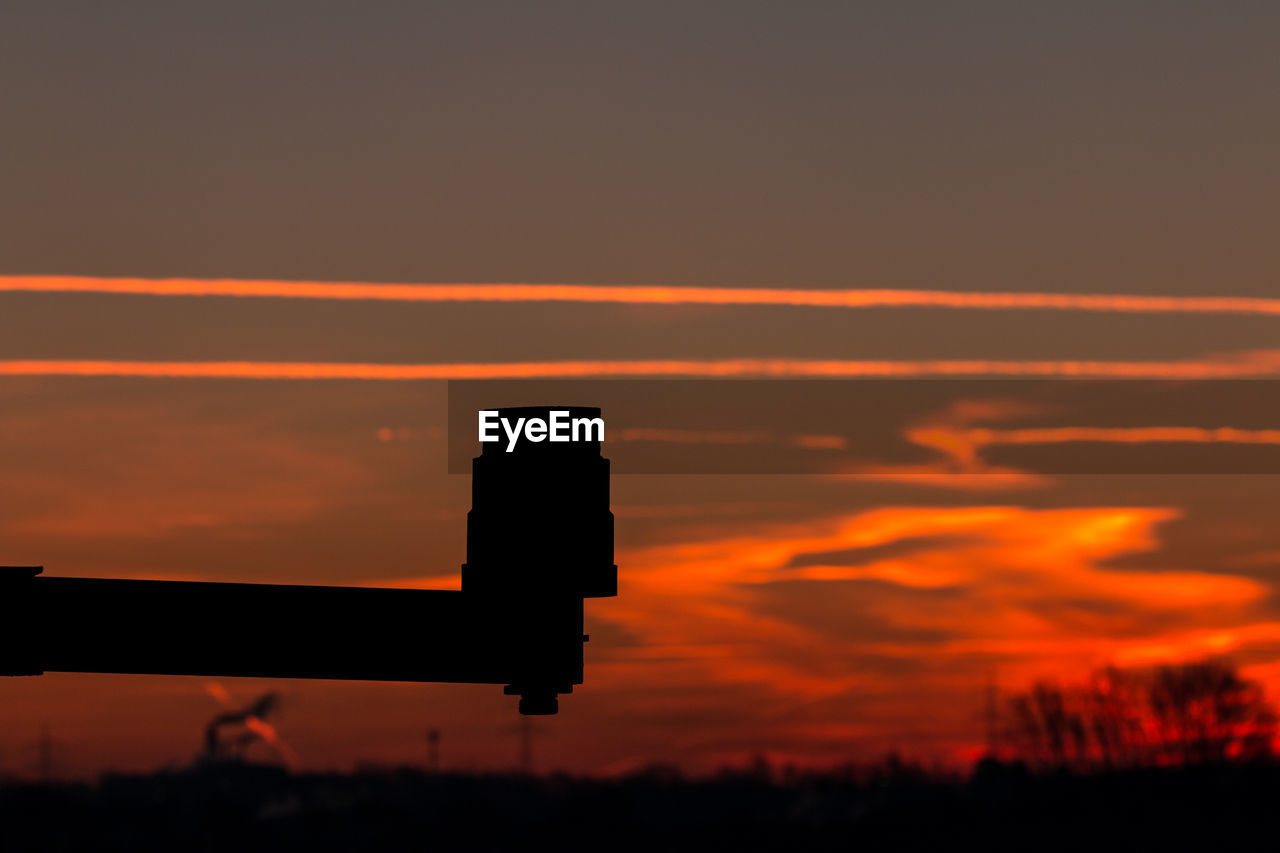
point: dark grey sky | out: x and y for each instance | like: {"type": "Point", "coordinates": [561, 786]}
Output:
{"type": "Point", "coordinates": [1002, 145]}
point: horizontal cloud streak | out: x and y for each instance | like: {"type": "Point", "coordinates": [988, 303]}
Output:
{"type": "Point", "coordinates": [645, 295]}
{"type": "Point", "coordinates": [1250, 364]}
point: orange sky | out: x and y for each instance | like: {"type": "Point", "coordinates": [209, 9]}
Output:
{"type": "Point", "coordinates": [812, 618]}
{"type": "Point", "coordinates": [198, 195]}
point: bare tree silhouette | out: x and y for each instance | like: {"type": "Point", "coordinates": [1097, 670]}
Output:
{"type": "Point", "coordinates": [1192, 713]}
{"type": "Point", "coordinates": [1207, 712]}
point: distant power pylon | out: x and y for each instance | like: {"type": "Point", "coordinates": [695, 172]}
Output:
{"type": "Point", "coordinates": [45, 748]}
{"type": "Point", "coordinates": [46, 754]}
{"type": "Point", "coordinates": [992, 714]}
{"type": "Point", "coordinates": [526, 731]}
{"type": "Point", "coordinates": [433, 750]}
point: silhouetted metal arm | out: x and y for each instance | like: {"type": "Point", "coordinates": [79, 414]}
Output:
{"type": "Point", "coordinates": [540, 540]}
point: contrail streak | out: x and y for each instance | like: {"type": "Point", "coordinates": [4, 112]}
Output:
{"type": "Point", "coordinates": [1252, 364]}
{"type": "Point", "coordinates": [644, 295]}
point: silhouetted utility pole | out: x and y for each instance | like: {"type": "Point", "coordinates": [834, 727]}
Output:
{"type": "Point", "coordinates": [526, 745]}
{"type": "Point", "coordinates": [433, 750]}
{"type": "Point", "coordinates": [45, 748]}
{"type": "Point", "coordinates": [992, 713]}
{"type": "Point", "coordinates": [539, 542]}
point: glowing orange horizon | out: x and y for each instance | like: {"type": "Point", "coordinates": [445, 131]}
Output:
{"type": "Point", "coordinates": [1251, 364]}
{"type": "Point", "coordinates": [645, 295]}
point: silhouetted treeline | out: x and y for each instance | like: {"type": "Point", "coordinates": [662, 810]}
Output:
{"type": "Point", "coordinates": [1172, 758]}
{"type": "Point", "coordinates": [893, 806]}
{"type": "Point", "coordinates": [1184, 714]}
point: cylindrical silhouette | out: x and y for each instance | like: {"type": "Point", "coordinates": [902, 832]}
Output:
{"type": "Point", "coordinates": [539, 540]}
{"type": "Point", "coordinates": [540, 513]}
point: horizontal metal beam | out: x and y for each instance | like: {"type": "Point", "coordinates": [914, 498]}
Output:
{"type": "Point", "coordinates": [278, 631]}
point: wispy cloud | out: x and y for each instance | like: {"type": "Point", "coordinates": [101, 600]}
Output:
{"type": "Point", "coordinates": [963, 445]}
{"type": "Point", "coordinates": [942, 593]}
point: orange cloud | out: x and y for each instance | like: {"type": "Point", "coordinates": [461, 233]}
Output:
{"type": "Point", "coordinates": [963, 445]}
{"type": "Point", "coordinates": [691, 436]}
{"type": "Point", "coordinates": [930, 597]}
{"type": "Point", "coordinates": [127, 470]}
{"type": "Point", "coordinates": [700, 436]}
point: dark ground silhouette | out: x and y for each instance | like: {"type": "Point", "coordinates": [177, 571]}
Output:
{"type": "Point", "coordinates": [894, 806]}
{"type": "Point", "coordinates": [1170, 758]}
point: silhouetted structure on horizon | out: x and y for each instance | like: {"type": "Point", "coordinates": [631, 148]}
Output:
{"type": "Point", "coordinates": [539, 541]}
{"type": "Point", "coordinates": [433, 750]}
{"type": "Point", "coordinates": [892, 805]}
{"type": "Point", "coordinates": [218, 748]}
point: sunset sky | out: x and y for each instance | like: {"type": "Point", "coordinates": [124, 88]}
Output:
{"type": "Point", "coordinates": [243, 246]}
